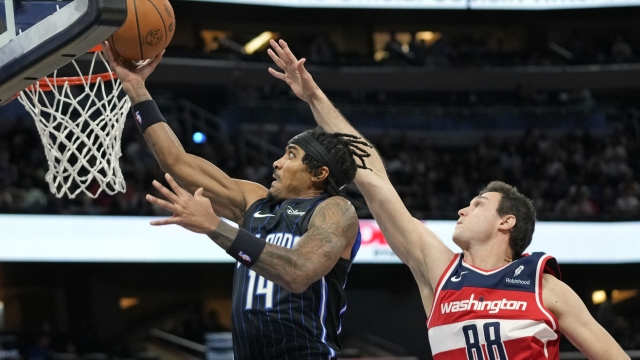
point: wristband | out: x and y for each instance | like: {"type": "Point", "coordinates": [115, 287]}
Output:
{"type": "Point", "coordinates": [246, 248]}
{"type": "Point", "coordinates": [146, 114]}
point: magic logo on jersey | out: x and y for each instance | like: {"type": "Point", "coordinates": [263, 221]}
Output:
{"type": "Point", "coordinates": [282, 239]}
{"type": "Point", "coordinates": [492, 307]}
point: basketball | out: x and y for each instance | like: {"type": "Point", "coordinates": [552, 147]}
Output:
{"type": "Point", "coordinates": [148, 30]}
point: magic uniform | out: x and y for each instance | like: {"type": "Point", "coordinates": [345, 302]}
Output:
{"type": "Point", "coordinates": [269, 322]}
{"type": "Point", "coordinates": [495, 314]}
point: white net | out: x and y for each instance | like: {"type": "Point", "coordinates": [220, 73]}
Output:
{"type": "Point", "coordinates": [81, 129]}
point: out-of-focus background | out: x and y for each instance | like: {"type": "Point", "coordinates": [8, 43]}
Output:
{"type": "Point", "coordinates": [543, 95]}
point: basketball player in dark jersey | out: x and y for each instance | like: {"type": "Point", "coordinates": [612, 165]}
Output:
{"type": "Point", "coordinates": [296, 241]}
{"type": "Point", "coordinates": [490, 301]}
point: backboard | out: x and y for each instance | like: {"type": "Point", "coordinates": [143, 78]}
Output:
{"type": "Point", "coordinates": [39, 37]}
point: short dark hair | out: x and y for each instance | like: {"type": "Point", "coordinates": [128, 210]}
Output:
{"type": "Point", "coordinates": [343, 148]}
{"type": "Point", "coordinates": [518, 205]}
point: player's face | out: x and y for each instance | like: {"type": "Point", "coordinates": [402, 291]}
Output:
{"type": "Point", "coordinates": [291, 176]}
{"type": "Point", "coordinates": [479, 221]}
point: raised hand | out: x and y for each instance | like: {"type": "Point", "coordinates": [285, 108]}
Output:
{"type": "Point", "coordinates": [192, 212]}
{"type": "Point", "coordinates": [295, 74]}
{"type": "Point", "coordinates": [129, 71]}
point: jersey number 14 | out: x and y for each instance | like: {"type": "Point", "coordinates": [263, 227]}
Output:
{"type": "Point", "coordinates": [262, 287]}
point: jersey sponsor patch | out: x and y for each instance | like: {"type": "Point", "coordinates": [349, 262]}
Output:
{"type": "Point", "coordinates": [292, 211]}
{"type": "Point", "coordinates": [518, 270]}
{"type": "Point", "coordinates": [518, 281]}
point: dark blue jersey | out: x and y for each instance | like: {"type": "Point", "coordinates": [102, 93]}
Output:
{"type": "Point", "coordinates": [268, 321]}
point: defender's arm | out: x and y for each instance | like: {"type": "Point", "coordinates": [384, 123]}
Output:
{"type": "Point", "coordinates": [576, 323]}
{"type": "Point", "coordinates": [415, 245]}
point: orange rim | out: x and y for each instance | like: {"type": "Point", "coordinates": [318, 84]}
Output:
{"type": "Point", "coordinates": [46, 84]}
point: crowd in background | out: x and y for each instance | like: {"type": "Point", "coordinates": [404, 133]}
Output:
{"type": "Point", "coordinates": [572, 176]}
{"type": "Point", "coordinates": [491, 48]}
{"type": "Point", "coordinates": [474, 50]}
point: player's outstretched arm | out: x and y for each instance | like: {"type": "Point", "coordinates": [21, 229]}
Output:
{"type": "Point", "coordinates": [332, 227]}
{"type": "Point", "coordinates": [230, 197]}
{"type": "Point", "coordinates": [577, 324]}
{"type": "Point", "coordinates": [416, 245]}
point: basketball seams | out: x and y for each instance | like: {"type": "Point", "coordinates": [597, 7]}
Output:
{"type": "Point", "coordinates": [140, 40]}
{"type": "Point", "coordinates": [141, 36]}
{"type": "Point", "coordinates": [166, 31]}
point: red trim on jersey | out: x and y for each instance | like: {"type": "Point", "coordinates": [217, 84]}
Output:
{"type": "Point", "coordinates": [483, 271]}
{"type": "Point", "coordinates": [446, 270]}
{"type": "Point", "coordinates": [443, 276]}
{"type": "Point", "coordinates": [540, 274]}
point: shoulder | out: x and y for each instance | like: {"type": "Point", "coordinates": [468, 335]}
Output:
{"type": "Point", "coordinates": [556, 295]}
{"type": "Point", "coordinates": [336, 207]}
{"type": "Point", "coordinates": [336, 210]}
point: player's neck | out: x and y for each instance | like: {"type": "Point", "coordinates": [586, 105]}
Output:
{"type": "Point", "coordinates": [488, 256]}
{"type": "Point", "coordinates": [308, 194]}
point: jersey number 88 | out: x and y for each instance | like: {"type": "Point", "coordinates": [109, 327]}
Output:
{"type": "Point", "coordinates": [495, 346]}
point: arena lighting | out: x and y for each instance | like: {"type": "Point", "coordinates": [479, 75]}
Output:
{"type": "Point", "coordinates": [199, 138]}
{"type": "Point", "coordinates": [126, 303]}
{"type": "Point", "coordinates": [598, 297]}
{"type": "Point", "coordinates": [428, 37]}
{"type": "Point", "coordinates": [439, 4]}
{"type": "Point", "coordinates": [66, 238]}
{"type": "Point", "coordinates": [618, 296]}
{"type": "Point", "coordinates": [258, 42]}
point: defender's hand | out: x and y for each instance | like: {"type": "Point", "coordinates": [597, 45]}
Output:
{"type": "Point", "coordinates": [192, 212]}
{"type": "Point", "coordinates": [129, 71]}
{"type": "Point", "coordinates": [295, 74]}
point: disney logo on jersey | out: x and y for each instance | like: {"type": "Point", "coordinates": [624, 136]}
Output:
{"type": "Point", "coordinates": [292, 211]}
{"type": "Point", "coordinates": [282, 239]}
{"type": "Point", "coordinates": [493, 307]}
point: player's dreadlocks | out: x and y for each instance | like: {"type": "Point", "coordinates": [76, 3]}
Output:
{"type": "Point", "coordinates": [342, 148]}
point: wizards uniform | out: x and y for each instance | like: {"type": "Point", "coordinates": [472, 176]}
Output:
{"type": "Point", "coordinates": [496, 314]}
{"type": "Point", "coordinates": [270, 322]}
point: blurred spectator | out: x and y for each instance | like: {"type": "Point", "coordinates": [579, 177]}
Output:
{"type": "Point", "coordinates": [41, 350]}
{"type": "Point", "coordinates": [322, 51]}
{"type": "Point", "coordinates": [621, 50]}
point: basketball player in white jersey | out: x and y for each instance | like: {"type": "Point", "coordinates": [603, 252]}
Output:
{"type": "Point", "coordinates": [489, 301]}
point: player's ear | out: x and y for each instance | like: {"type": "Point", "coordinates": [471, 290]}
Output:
{"type": "Point", "coordinates": [322, 174]}
{"type": "Point", "coordinates": [507, 222]}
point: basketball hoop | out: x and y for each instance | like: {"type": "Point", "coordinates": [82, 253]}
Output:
{"type": "Point", "coordinates": [80, 123]}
